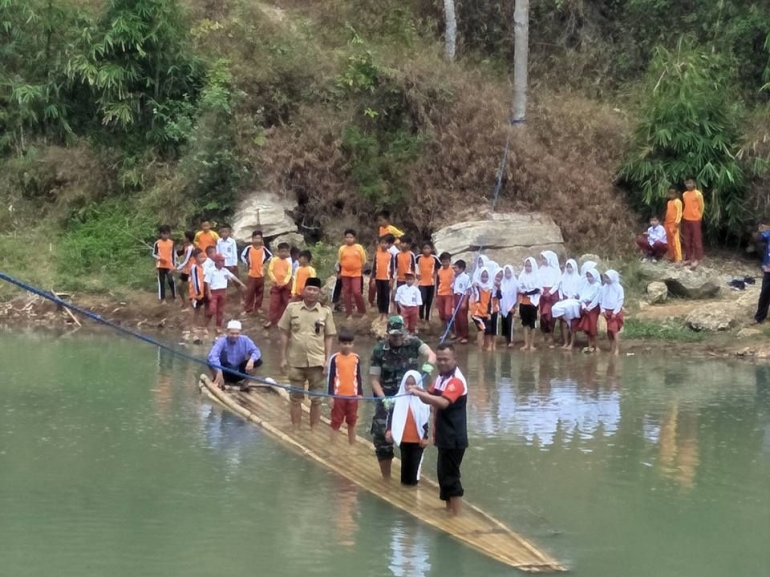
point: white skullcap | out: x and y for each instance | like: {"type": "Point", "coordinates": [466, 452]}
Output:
{"type": "Point", "coordinates": [234, 326]}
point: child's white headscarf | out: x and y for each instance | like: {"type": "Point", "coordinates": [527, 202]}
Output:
{"type": "Point", "coordinates": [530, 281]}
{"type": "Point", "coordinates": [509, 290]}
{"type": "Point", "coordinates": [589, 291]}
{"type": "Point", "coordinates": [569, 285]}
{"type": "Point", "coordinates": [490, 282]}
{"type": "Point", "coordinates": [477, 270]}
{"type": "Point", "coordinates": [550, 274]}
{"type": "Point", "coordinates": [404, 402]}
{"type": "Point", "coordinates": [613, 294]}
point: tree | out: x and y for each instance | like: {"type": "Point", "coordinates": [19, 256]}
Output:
{"type": "Point", "coordinates": [689, 126]}
{"type": "Point", "coordinates": [520, 57]}
{"type": "Point", "coordinates": [450, 35]}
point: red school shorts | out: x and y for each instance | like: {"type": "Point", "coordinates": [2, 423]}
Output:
{"type": "Point", "coordinates": [344, 410]}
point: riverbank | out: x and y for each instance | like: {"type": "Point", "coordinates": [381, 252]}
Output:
{"type": "Point", "coordinates": [649, 329]}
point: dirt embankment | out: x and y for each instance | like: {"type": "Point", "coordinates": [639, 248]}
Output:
{"type": "Point", "coordinates": [142, 313]}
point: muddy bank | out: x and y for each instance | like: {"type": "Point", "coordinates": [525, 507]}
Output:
{"type": "Point", "coordinates": [143, 313]}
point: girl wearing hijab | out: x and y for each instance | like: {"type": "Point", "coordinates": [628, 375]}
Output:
{"type": "Point", "coordinates": [611, 306]}
{"type": "Point", "coordinates": [529, 298]}
{"type": "Point", "coordinates": [589, 310]}
{"type": "Point", "coordinates": [550, 276]}
{"type": "Point", "coordinates": [569, 289]}
{"type": "Point", "coordinates": [509, 295]}
{"type": "Point", "coordinates": [408, 428]}
{"type": "Point", "coordinates": [484, 308]}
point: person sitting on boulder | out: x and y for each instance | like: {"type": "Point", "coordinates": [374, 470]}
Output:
{"type": "Point", "coordinates": [653, 243]}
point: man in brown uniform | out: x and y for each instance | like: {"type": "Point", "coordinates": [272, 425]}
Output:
{"type": "Point", "coordinates": [307, 331]}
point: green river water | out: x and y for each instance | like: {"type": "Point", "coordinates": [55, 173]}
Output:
{"type": "Point", "coordinates": [112, 464]}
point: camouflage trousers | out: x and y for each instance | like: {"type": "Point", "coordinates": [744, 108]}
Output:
{"type": "Point", "coordinates": [382, 448]}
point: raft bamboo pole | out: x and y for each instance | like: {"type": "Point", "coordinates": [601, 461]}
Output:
{"type": "Point", "coordinates": [475, 528]}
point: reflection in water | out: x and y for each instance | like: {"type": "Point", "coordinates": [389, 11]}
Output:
{"type": "Point", "coordinates": [678, 445]}
{"type": "Point", "coordinates": [345, 512]}
{"type": "Point", "coordinates": [409, 550]}
{"type": "Point", "coordinates": [550, 398]}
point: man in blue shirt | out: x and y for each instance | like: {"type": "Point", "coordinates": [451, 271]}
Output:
{"type": "Point", "coordinates": [764, 295]}
{"type": "Point", "coordinates": [234, 351]}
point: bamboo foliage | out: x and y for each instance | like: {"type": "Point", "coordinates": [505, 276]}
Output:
{"type": "Point", "coordinates": [689, 126]}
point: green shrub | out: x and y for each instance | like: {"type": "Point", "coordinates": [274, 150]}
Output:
{"type": "Point", "coordinates": [110, 246]}
{"type": "Point", "coordinates": [689, 127]}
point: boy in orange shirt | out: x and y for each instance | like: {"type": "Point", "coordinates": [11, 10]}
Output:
{"type": "Point", "coordinates": [385, 228]}
{"type": "Point", "coordinates": [405, 261]}
{"type": "Point", "coordinates": [351, 259]}
{"type": "Point", "coordinates": [383, 273]}
{"type": "Point", "coordinates": [279, 272]}
{"type": "Point", "coordinates": [427, 270]}
{"type": "Point", "coordinates": [303, 272]}
{"type": "Point", "coordinates": [254, 257]}
{"type": "Point", "coordinates": [444, 299]}
{"type": "Point", "coordinates": [206, 237]}
{"type": "Point", "coordinates": [344, 380]}
{"type": "Point", "coordinates": [163, 253]}
{"type": "Point", "coordinates": [692, 222]}
{"type": "Point", "coordinates": [671, 224]}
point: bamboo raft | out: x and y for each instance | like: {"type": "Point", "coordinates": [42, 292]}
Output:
{"type": "Point", "coordinates": [268, 407]}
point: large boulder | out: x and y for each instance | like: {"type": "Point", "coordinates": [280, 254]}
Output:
{"type": "Point", "coordinates": [709, 317]}
{"type": "Point", "coordinates": [657, 292]}
{"type": "Point", "coordinates": [701, 283]}
{"type": "Point", "coordinates": [290, 238]}
{"type": "Point", "coordinates": [263, 211]}
{"type": "Point", "coordinates": [505, 238]}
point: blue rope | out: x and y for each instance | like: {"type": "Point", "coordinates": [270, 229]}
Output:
{"type": "Point", "coordinates": [149, 340]}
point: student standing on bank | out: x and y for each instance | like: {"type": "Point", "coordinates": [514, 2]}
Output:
{"type": "Point", "coordinates": [448, 396]}
{"type": "Point", "coordinates": [764, 295]}
{"type": "Point", "coordinates": [692, 224]}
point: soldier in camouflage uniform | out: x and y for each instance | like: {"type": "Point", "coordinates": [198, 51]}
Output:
{"type": "Point", "coordinates": [391, 359]}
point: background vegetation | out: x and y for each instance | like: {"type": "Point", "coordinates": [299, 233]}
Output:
{"type": "Point", "coordinates": [119, 115]}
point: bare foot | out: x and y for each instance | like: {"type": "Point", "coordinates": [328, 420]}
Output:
{"type": "Point", "coordinates": [532, 348]}
{"type": "Point", "coordinates": [568, 348]}
{"type": "Point", "coordinates": [524, 348]}
{"type": "Point", "coordinates": [510, 345]}
{"type": "Point", "coordinates": [267, 325]}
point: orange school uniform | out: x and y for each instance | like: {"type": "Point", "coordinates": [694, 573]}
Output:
{"type": "Point", "coordinates": [203, 239]}
{"type": "Point", "coordinates": [384, 265]}
{"type": "Point", "coordinates": [164, 253]}
{"type": "Point", "coordinates": [300, 278]}
{"type": "Point", "coordinates": [671, 224]}
{"type": "Point", "coordinates": [427, 267]}
{"type": "Point", "coordinates": [405, 262]}
{"type": "Point", "coordinates": [197, 285]}
{"type": "Point", "coordinates": [352, 259]}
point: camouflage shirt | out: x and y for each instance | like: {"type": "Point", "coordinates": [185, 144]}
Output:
{"type": "Point", "coordinates": [391, 363]}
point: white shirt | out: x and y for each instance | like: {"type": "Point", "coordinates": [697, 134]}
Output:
{"type": "Point", "coordinates": [207, 265]}
{"type": "Point", "coordinates": [217, 278]}
{"type": "Point", "coordinates": [656, 234]}
{"type": "Point", "coordinates": [461, 284]}
{"type": "Point", "coordinates": [228, 249]}
{"type": "Point", "coordinates": [409, 296]}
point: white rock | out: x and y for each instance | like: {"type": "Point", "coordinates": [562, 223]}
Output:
{"type": "Point", "coordinates": [747, 333]}
{"type": "Point", "coordinates": [657, 292]}
{"type": "Point", "coordinates": [379, 328]}
{"type": "Point", "coordinates": [701, 283]}
{"type": "Point", "coordinates": [592, 257]}
{"type": "Point", "coordinates": [506, 238]}
{"type": "Point", "coordinates": [292, 238]}
{"type": "Point", "coordinates": [263, 211]}
{"type": "Point", "coordinates": [711, 317]}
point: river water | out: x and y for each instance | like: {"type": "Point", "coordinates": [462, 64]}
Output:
{"type": "Point", "coordinates": [111, 463]}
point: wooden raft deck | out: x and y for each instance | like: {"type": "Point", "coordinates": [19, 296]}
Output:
{"type": "Point", "coordinates": [268, 408]}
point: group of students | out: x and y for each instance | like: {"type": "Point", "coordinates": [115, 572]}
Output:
{"type": "Point", "coordinates": [207, 262]}
{"type": "Point", "coordinates": [682, 228]}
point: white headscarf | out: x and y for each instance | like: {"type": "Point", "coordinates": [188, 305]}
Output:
{"type": "Point", "coordinates": [589, 291]}
{"type": "Point", "coordinates": [613, 294]}
{"type": "Point", "coordinates": [405, 402]}
{"type": "Point", "coordinates": [569, 286]}
{"type": "Point", "coordinates": [530, 281]}
{"type": "Point", "coordinates": [490, 282]}
{"type": "Point", "coordinates": [509, 290]}
{"type": "Point", "coordinates": [586, 266]}
{"type": "Point", "coordinates": [477, 270]}
{"type": "Point", "coordinates": [550, 274]}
